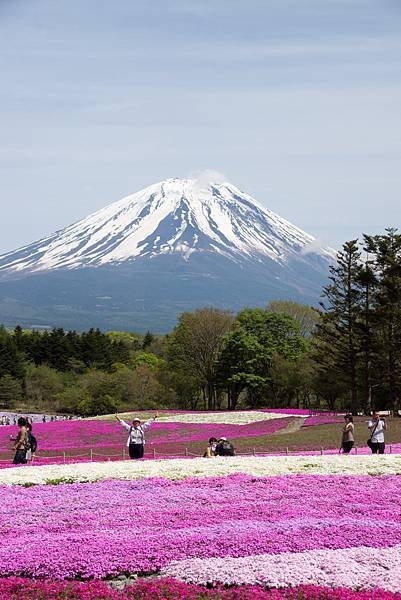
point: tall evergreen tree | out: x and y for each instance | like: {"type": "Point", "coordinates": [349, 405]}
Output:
{"type": "Point", "coordinates": [147, 340]}
{"type": "Point", "coordinates": [11, 361]}
{"type": "Point", "coordinates": [10, 391]}
{"type": "Point", "coordinates": [368, 284]}
{"type": "Point", "coordinates": [338, 331]}
{"type": "Point", "coordinates": [386, 251]}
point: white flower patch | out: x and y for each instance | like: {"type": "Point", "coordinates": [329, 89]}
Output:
{"type": "Point", "coordinates": [206, 467]}
{"type": "Point", "coordinates": [241, 417]}
{"type": "Point", "coordinates": [358, 568]}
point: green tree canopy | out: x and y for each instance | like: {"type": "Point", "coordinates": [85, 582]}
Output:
{"type": "Point", "coordinates": [195, 345]}
{"type": "Point", "coordinates": [249, 348]}
{"type": "Point", "coordinates": [306, 316]}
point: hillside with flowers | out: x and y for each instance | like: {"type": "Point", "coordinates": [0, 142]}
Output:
{"type": "Point", "coordinates": [265, 524]}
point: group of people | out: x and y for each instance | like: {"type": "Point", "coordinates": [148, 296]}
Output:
{"type": "Point", "coordinates": [57, 418]}
{"type": "Point", "coordinates": [136, 439]}
{"type": "Point", "coordinates": [12, 419]}
{"type": "Point", "coordinates": [219, 447]}
{"type": "Point", "coordinates": [25, 443]}
{"type": "Point", "coordinates": [377, 425]}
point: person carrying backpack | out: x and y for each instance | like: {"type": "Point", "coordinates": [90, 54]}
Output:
{"type": "Point", "coordinates": [224, 447]}
{"type": "Point", "coordinates": [136, 435]}
{"type": "Point", "coordinates": [21, 442]}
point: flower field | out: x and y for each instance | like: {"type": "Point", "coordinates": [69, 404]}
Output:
{"type": "Point", "coordinates": [276, 431]}
{"type": "Point", "coordinates": [170, 435]}
{"type": "Point", "coordinates": [296, 527]}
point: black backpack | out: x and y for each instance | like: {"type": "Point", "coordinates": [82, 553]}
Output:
{"type": "Point", "coordinates": [32, 442]}
{"type": "Point", "coordinates": [226, 449]}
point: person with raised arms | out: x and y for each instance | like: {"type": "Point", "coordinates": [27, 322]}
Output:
{"type": "Point", "coordinates": [136, 435]}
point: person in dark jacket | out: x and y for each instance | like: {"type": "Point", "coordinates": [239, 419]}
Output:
{"type": "Point", "coordinates": [224, 447]}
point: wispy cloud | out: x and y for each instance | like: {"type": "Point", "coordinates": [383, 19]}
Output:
{"type": "Point", "coordinates": [207, 177]}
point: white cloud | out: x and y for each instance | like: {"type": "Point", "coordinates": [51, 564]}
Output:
{"type": "Point", "coordinates": [203, 179]}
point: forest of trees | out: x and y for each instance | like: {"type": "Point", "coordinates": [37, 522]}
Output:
{"type": "Point", "coordinates": [344, 355]}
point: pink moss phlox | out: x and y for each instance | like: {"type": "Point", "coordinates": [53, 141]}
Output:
{"type": "Point", "coordinates": [103, 437]}
{"type": "Point", "coordinates": [14, 588]}
{"type": "Point", "coordinates": [111, 527]}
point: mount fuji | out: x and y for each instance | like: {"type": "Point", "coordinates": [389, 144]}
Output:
{"type": "Point", "coordinates": [174, 246]}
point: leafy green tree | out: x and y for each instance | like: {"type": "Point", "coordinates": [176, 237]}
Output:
{"type": "Point", "coordinates": [247, 355]}
{"type": "Point", "coordinates": [102, 405]}
{"type": "Point", "coordinates": [159, 347]}
{"type": "Point", "coordinates": [187, 388]}
{"type": "Point", "coordinates": [146, 358]}
{"type": "Point", "coordinates": [97, 383]}
{"type": "Point", "coordinates": [292, 381]}
{"type": "Point", "coordinates": [42, 384]}
{"type": "Point", "coordinates": [306, 316]}
{"type": "Point", "coordinates": [195, 345]}
{"type": "Point", "coordinates": [130, 341]}
{"type": "Point", "coordinates": [67, 400]}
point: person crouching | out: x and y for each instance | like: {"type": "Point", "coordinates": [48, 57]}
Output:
{"type": "Point", "coordinates": [136, 435]}
{"type": "Point", "coordinates": [211, 448]}
{"type": "Point", "coordinates": [224, 447]}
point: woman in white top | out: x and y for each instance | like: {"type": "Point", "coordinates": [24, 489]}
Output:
{"type": "Point", "coordinates": [136, 436]}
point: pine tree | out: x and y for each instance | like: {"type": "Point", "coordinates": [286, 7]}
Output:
{"type": "Point", "coordinates": [386, 251]}
{"type": "Point", "coordinates": [368, 285]}
{"type": "Point", "coordinates": [11, 361]}
{"type": "Point", "coordinates": [338, 330]}
{"type": "Point", "coordinates": [147, 340]}
{"type": "Point", "coordinates": [10, 391]}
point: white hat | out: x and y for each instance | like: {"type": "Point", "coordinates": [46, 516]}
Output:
{"type": "Point", "coordinates": [223, 439]}
{"type": "Point", "coordinates": [136, 419]}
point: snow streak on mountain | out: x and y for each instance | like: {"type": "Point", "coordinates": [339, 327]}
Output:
{"type": "Point", "coordinates": [176, 216]}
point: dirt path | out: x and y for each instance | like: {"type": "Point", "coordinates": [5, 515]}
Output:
{"type": "Point", "coordinates": [294, 426]}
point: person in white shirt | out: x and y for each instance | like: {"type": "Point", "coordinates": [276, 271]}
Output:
{"type": "Point", "coordinates": [136, 436]}
{"type": "Point", "coordinates": [377, 426]}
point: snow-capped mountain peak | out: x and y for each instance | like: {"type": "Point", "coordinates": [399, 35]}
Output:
{"type": "Point", "coordinates": [175, 216]}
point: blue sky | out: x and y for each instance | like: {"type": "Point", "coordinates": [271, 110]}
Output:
{"type": "Point", "coordinates": [297, 102]}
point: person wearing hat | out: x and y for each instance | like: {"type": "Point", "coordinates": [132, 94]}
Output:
{"type": "Point", "coordinates": [136, 436]}
{"type": "Point", "coordinates": [224, 447]}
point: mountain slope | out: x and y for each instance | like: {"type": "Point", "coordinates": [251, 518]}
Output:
{"type": "Point", "coordinates": [171, 216]}
{"type": "Point", "coordinates": [170, 247]}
